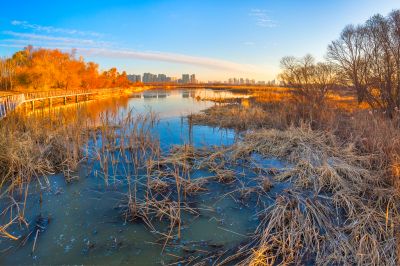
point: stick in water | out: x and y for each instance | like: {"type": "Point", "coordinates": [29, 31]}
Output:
{"type": "Point", "coordinates": [34, 243]}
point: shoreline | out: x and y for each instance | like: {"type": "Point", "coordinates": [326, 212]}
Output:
{"type": "Point", "coordinates": [47, 102]}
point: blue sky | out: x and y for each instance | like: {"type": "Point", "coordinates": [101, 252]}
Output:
{"type": "Point", "coordinates": [216, 39]}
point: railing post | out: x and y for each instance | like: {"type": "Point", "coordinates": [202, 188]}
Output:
{"type": "Point", "coordinates": [33, 105]}
{"type": "Point", "coordinates": [65, 100]}
{"type": "Point", "coordinates": [76, 98]}
{"type": "Point", "coordinates": [50, 103]}
{"type": "Point", "coordinates": [1, 110]}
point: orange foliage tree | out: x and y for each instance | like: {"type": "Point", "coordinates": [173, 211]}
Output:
{"type": "Point", "coordinates": [45, 69]}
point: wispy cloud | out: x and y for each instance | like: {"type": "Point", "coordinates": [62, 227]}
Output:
{"type": "Point", "coordinates": [262, 19]}
{"type": "Point", "coordinates": [207, 62]}
{"type": "Point", "coordinates": [55, 38]}
{"type": "Point", "coordinates": [51, 29]}
{"type": "Point", "coordinates": [172, 58]}
{"type": "Point", "coordinates": [33, 38]}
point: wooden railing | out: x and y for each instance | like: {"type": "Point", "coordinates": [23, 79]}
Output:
{"type": "Point", "coordinates": [53, 93]}
{"type": "Point", "coordinates": [10, 102]}
{"type": "Point", "coordinates": [61, 93]}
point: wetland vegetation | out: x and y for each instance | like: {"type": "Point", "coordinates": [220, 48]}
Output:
{"type": "Point", "coordinates": [302, 174]}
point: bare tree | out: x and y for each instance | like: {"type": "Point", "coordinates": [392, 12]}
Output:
{"type": "Point", "coordinates": [368, 58]}
{"type": "Point", "coordinates": [311, 81]}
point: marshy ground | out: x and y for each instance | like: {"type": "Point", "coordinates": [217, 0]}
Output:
{"type": "Point", "coordinates": [251, 180]}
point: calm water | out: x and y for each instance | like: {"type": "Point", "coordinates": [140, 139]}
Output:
{"type": "Point", "coordinates": [81, 224]}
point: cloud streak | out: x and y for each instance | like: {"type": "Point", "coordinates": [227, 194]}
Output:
{"type": "Point", "coordinates": [33, 38]}
{"type": "Point", "coordinates": [172, 58]}
{"type": "Point", "coordinates": [95, 47]}
{"type": "Point", "coordinates": [207, 62]}
{"type": "Point", "coordinates": [262, 19]}
{"type": "Point", "coordinates": [51, 29]}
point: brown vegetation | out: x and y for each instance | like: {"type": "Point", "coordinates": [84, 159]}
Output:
{"type": "Point", "coordinates": [368, 59]}
{"type": "Point", "coordinates": [343, 207]}
{"type": "Point", "coordinates": [32, 148]}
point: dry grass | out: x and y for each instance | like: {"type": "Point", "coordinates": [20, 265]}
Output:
{"type": "Point", "coordinates": [34, 147]}
{"type": "Point", "coordinates": [335, 198]}
{"type": "Point", "coordinates": [235, 116]}
{"type": "Point", "coordinates": [343, 204]}
{"type": "Point", "coordinates": [38, 145]}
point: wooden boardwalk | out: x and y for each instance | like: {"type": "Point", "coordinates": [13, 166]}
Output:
{"type": "Point", "coordinates": [11, 102]}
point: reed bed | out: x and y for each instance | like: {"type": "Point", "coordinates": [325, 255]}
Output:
{"type": "Point", "coordinates": [234, 116]}
{"type": "Point", "coordinates": [38, 145]}
{"type": "Point", "coordinates": [335, 198]}
{"type": "Point", "coordinates": [342, 204]}
{"type": "Point", "coordinates": [339, 203]}
{"type": "Point", "coordinates": [32, 148]}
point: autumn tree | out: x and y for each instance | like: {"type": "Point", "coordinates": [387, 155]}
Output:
{"type": "Point", "coordinates": [90, 77]}
{"type": "Point", "coordinates": [122, 80]}
{"type": "Point", "coordinates": [44, 69]}
{"type": "Point", "coordinates": [7, 74]}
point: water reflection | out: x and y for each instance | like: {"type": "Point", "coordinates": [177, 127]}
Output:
{"type": "Point", "coordinates": [83, 224]}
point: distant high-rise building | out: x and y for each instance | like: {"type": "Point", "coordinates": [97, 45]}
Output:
{"type": "Point", "coordinates": [193, 79]}
{"type": "Point", "coordinates": [149, 77]}
{"type": "Point", "coordinates": [185, 78]}
{"type": "Point", "coordinates": [162, 78]}
{"type": "Point", "coordinates": [135, 78]}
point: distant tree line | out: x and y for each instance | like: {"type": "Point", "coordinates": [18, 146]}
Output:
{"type": "Point", "coordinates": [365, 58]}
{"type": "Point", "coordinates": [43, 69]}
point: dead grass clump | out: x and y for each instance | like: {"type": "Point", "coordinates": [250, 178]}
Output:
{"type": "Point", "coordinates": [194, 186]}
{"type": "Point", "coordinates": [36, 146]}
{"type": "Point", "coordinates": [178, 157]}
{"type": "Point", "coordinates": [263, 256]}
{"type": "Point", "coordinates": [265, 184]}
{"type": "Point", "coordinates": [157, 185]}
{"type": "Point", "coordinates": [372, 133]}
{"type": "Point", "coordinates": [294, 228]}
{"type": "Point", "coordinates": [246, 192]}
{"type": "Point", "coordinates": [319, 160]}
{"type": "Point", "coordinates": [226, 176]}
{"type": "Point", "coordinates": [231, 116]}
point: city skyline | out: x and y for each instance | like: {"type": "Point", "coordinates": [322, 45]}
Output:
{"type": "Point", "coordinates": [214, 39]}
{"type": "Point", "coordinates": [148, 77]}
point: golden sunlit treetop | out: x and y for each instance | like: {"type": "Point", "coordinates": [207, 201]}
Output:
{"type": "Point", "coordinates": [47, 69]}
